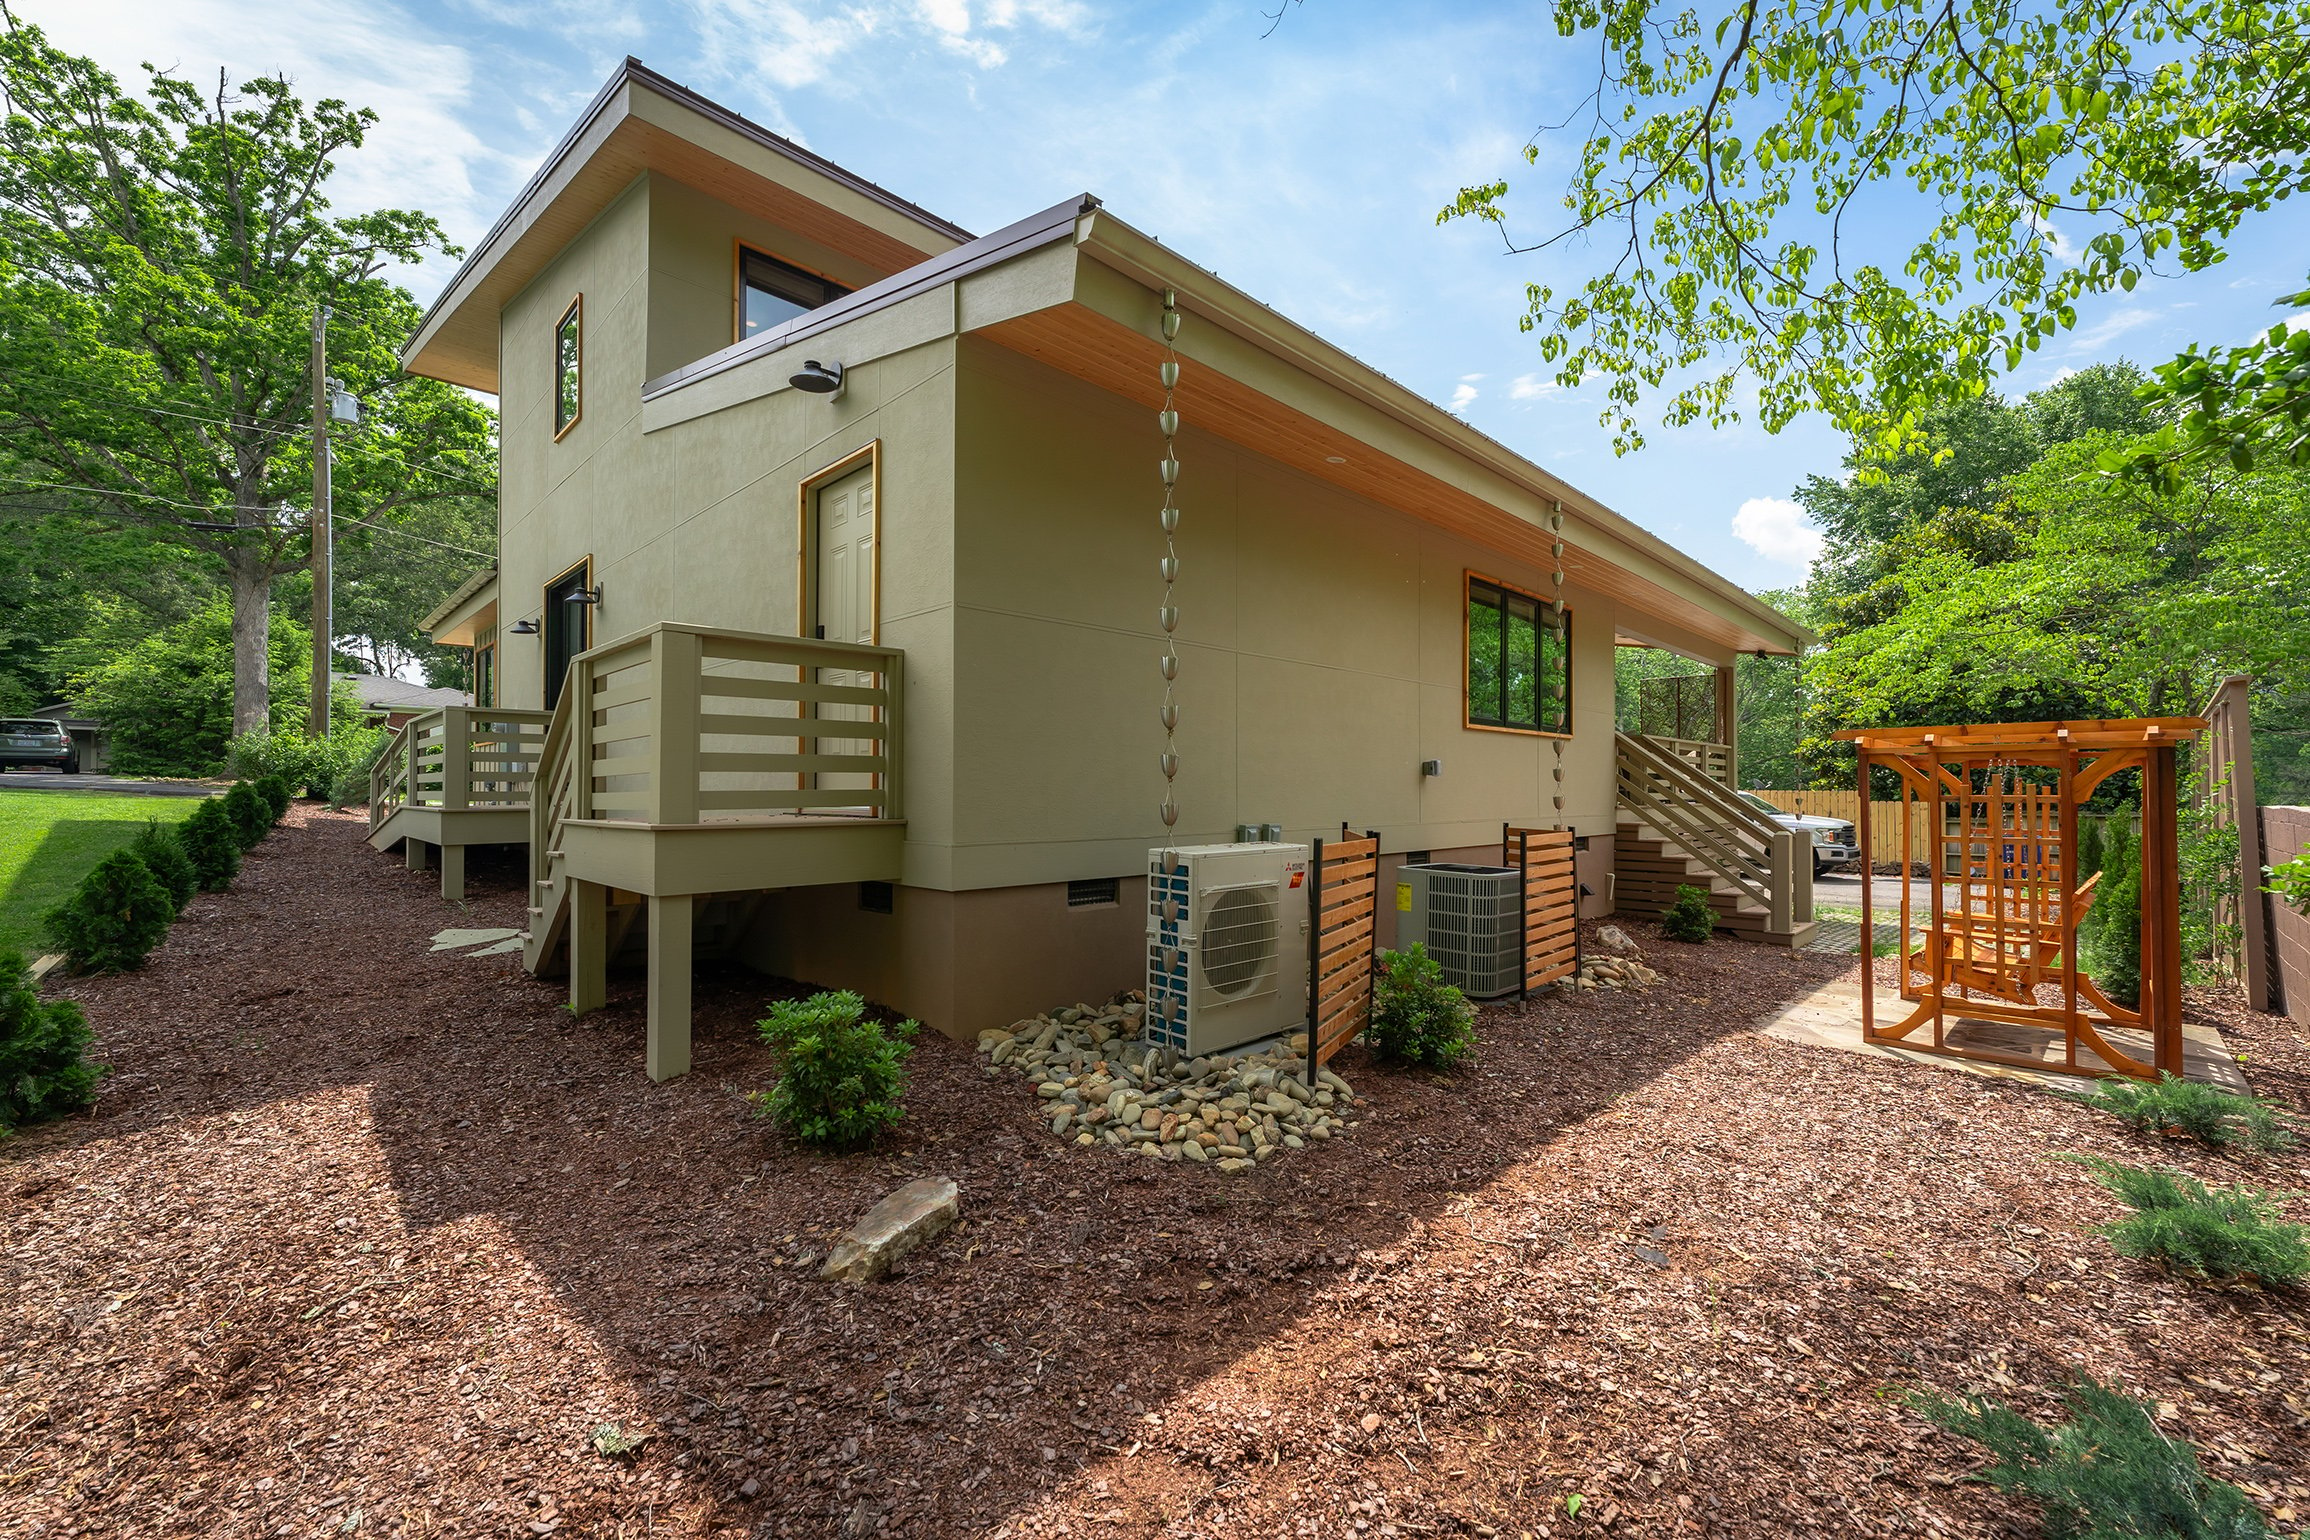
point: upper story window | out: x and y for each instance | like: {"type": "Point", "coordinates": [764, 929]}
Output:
{"type": "Point", "coordinates": [568, 370]}
{"type": "Point", "coordinates": [771, 292]}
{"type": "Point", "coordinates": [1519, 665]}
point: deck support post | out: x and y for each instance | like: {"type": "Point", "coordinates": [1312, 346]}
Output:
{"type": "Point", "coordinates": [589, 952]}
{"type": "Point", "coordinates": [416, 854]}
{"type": "Point", "coordinates": [669, 1027]}
{"type": "Point", "coordinates": [453, 873]}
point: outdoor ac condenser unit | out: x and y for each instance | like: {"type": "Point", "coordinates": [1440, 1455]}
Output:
{"type": "Point", "coordinates": [1466, 917]}
{"type": "Point", "coordinates": [1226, 945]}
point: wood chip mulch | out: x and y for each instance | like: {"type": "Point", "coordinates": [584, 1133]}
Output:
{"type": "Point", "coordinates": [364, 1239]}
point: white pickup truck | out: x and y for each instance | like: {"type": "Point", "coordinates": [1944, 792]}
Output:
{"type": "Point", "coordinates": [1834, 841]}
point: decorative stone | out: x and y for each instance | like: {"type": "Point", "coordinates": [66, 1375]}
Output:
{"type": "Point", "coordinates": [905, 1219]}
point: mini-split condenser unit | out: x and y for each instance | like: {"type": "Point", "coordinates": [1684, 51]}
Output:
{"type": "Point", "coordinates": [1226, 945]}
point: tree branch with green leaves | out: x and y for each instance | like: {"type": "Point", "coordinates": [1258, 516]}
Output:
{"type": "Point", "coordinates": [1874, 208]}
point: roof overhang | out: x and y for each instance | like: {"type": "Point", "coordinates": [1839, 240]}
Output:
{"type": "Point", "coordinates": [1257, 379]}
{"type": "Point", "coordinates": [455, 619]}
{"type": "Point", "coordinates": [1281, 390]}
{"type": "Point", "coordinates": [643, 122]}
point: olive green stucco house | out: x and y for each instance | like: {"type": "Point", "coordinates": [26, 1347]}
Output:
{"type": "Point", "coordinates": [948, 566]}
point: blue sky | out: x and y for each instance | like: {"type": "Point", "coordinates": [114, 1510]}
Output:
{"type": "Point", "coordinates": [1305, 166]}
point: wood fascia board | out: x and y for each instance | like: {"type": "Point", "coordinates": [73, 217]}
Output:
{"type": "Point", "coordinates": [469, 598]}
{"type": "Point", "coordinates": [633, 128]}
{"type": "Point", "coordinates": [446, 344]}
{"type": "Point", "coordinates": [1508, 480]}
{"type": "Point", "coordinates": [756, 159]}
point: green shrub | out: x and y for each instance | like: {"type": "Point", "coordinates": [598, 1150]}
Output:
{"type": "Point", "coordinates": [2224, 1234]}
{"type": "Point", "coordinates": [277, 796]}
{"type": "Point", "coordinates": [2214, 1117]}
{"type": "Point", "coordinates": [1690, 918]}
{"type": "Point", "coordinates": [2089, 846]}
{"type": "Point", "coordinates": [164, 857]}
{"type": "Point", "coordinates": [252, 816]}
{"type": "Point", "coordinates": [2107, 1473]}
{"type": "Point", "coordinates": [350, 783]}
{"type": "Point", "coordinates": [44, 1071]}
{"type": "Point", "coordinates": [116, 915]}
{"type": "Point", "coordinates": [1417, 1018]}
{"type": "Point", "coordinates": [2290, 880]}
{"type": "Point", "coordinates": [2110, 935]}
{"type": "Point", "coordinates": [841, 1076]}
{"type": "Point", "coordinates": [212, 844]}
{"type": "Point", "coordinates": [312, 766]}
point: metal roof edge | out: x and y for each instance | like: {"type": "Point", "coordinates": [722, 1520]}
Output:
{"type": "Point", "coordinates": [1053, 224]}
{"type": "Point", "coordinates": [464, 591]}
{"type": "Point", "coordinates": [1126, 248]}
{"type": "Point", "coordinates": [633, 71]}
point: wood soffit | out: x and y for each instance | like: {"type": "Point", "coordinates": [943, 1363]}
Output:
{"type": "Point", "coordinates": [463, 346]}
{"type": "Point", "coordinates": [1091, 347]}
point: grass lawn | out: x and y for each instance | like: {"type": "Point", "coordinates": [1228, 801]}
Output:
{"type": "Point", "coordinates": [50, 839]}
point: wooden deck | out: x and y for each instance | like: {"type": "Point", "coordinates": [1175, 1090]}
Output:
{"type": "Point", "coordinates": [1830, 1017]}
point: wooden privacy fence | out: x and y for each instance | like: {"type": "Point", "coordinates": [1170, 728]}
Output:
{"type": "Point", "coordinates": [1548, 916]}
{"type": "Point", "coordinates": [1343, 904]}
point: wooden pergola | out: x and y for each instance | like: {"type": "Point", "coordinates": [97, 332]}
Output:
{"type": "Point", "coordinates": [1999, 940]}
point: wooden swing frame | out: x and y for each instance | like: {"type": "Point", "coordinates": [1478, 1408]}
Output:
{"type": "Point", "coordinates": [1988, 955]}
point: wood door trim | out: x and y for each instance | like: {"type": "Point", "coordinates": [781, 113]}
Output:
{"type": "Point", "coordinates": [806, 537]}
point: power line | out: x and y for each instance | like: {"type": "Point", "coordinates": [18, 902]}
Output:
{"type": "Point", "coordinates": [154, 497]}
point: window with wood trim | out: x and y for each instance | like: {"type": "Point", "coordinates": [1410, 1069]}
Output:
{"type": "Point", "coordinates": [568, 367]}
{"type": "Point", "coordinates": [1519, 661]}
{"type": "Point", "coordinates": [771, 292]}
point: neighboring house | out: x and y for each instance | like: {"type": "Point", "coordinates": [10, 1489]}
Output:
{"type": "Point", "coordinates": [981, 495]}
{"type": "Point", "coordinates": [389, 702]}
{"type": "Point", "coordinates": [89, 735]}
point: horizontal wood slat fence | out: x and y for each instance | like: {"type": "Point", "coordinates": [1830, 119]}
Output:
{"type": "Point", "coordinates": [1343, 905]}
{"type": "Point", "coordinates": [1549, 921]}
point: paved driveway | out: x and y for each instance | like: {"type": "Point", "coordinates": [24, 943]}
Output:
{"type": "Point", "coordinates": [49, 780]}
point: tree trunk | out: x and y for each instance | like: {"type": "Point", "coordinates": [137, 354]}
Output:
{"type": "Point", "coordinates": [252, 591]}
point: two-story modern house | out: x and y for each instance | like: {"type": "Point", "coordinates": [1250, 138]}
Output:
{"type": "Point", "coordinates": [828, 591]}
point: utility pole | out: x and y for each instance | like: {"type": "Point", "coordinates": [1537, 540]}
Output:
{"type": "Point", "coordinates": [324, 617]}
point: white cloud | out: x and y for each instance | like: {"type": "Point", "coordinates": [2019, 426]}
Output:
{"type": "Point", "coordinates": [1776, 529]}
{"type": "Point", "coordinates": [1530, 387]}
{"type": "Point", "coordinates": [2294, 321]}
{"type": "Point", "coordinates": [2111, 327]}
{"type": "Point", "coordinates": [423, 152]}
{"type": "Point", "coordinates": [1465, 391]}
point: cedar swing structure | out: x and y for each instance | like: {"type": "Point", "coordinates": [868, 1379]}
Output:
{"type": "Point", "coordinates": [1999, 939]}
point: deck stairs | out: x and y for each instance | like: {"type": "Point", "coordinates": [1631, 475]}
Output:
{"type": "Point", "coordinates": [1679, 826]}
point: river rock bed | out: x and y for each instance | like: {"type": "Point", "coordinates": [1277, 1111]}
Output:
{"type": "Point", "coordinates": [1101, 1085]}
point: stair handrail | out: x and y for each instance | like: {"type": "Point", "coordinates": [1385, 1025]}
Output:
{"type": "Point", "coordinates": [1778, 874]}
{"type": "Point", "coordinates": [389, 772]}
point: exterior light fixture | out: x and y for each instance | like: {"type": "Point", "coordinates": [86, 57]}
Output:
{"type": "Point", "coordinates": [591, 595]}
{"type": "Point", "coordinates": [818, 379]}
{"type": "Point", "coordinates": [1335, 459]}
{"type": "Point", "coordinates": [524, 628]}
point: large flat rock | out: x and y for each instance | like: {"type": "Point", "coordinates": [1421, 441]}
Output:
{"type": "Point", "coordinates": [905, 1219]}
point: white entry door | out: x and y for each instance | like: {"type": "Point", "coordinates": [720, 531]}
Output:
{"type": "Point", "coordinates": [844, 584]}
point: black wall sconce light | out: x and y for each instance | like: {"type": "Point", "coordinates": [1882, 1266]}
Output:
{"type": "Point", "coordinates": [591, 595]}
{"type": "Point", "coordinates": [524, 628]}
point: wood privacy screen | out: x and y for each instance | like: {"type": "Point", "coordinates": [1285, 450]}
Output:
{"type": "Point", "coordinates": [1343, 904]}
{"type": "Point", "coordinates": [1549, 937]}
{"type": "Point", "coordinates": [1999, 948]}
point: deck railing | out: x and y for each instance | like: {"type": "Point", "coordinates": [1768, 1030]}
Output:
{"type": "Point", "coordinates": [1711, 759]}
{"type": "Point", "coordinates": [1667, 792]}
{"type": "Point", "coordinates": [681, 725]}
{"type": "Point", "coordinates": [455, 758]}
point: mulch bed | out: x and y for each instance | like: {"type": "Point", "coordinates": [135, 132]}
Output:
{"type": "Point", "coordinates": [363, 1239]}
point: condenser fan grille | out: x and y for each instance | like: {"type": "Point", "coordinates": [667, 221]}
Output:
{"type": "Point", "coordinates": [1237, 940]}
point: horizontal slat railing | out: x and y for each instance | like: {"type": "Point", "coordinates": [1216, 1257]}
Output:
{"type": "Point", "coordinates": [1766, 863]}
{"type": "Point", "coordinates": [1712, 760]}
{"type": "Point", "coordinates": [687, 724]}
{"type": "Point", "coordinates": [458, 757]}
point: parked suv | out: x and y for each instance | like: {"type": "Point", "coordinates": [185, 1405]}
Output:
{"type": "Point", "coordinates": [35, 741]}
{"type": "Point", "coordinates": [1834, 841]}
